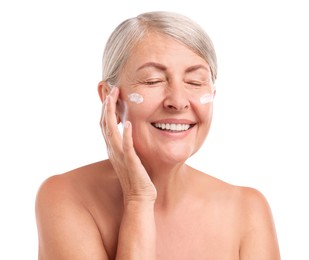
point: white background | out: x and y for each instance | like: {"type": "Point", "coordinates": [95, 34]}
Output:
{"type": "Point", "coordinates": [50, 64]}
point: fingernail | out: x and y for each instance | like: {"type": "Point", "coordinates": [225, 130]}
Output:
{"type": "Point", "coordinates": [127, 124]}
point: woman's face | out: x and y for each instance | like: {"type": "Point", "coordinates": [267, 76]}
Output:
{"type": "Point", "coordinates": [167, 94]}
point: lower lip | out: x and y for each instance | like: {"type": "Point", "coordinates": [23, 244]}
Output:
{"type": "Point", "coordinates": [177, 135]}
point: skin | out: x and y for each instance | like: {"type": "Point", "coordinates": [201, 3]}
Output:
{"type": "Point", "coordinates": [144, 202]}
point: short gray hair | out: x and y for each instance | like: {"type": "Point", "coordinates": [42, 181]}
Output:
{"type": "Point", "coordinates": [131, 31]}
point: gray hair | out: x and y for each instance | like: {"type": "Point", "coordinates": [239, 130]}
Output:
{"type": "Point", "coordinates": [131, 31]}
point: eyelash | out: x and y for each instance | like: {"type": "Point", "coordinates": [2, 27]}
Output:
{"type": "Point", "coordinates": [195, 84]}
{"type": "Point", "coordinates": [153, 82]}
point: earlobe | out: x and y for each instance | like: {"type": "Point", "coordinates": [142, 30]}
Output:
{"type": "Point", "coordinates": [214, 91]}
{"type": "Point", "coordinates": [103, 90]}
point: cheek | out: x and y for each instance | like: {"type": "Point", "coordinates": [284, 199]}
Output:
{"type": "Point", "coordinates": [130, 105]}
{"type": "Point", "coordinates": [206, 98]}
{"type": "Point", "coordinates": [201, 99]}
{"type": "Point", "coordinates": [135, 98]}
{"type": "Point", "coordinates": [142, 102]}
{"type": "Point", "coordinates": [203, 107]}
{"type": "Point", "coordinates": [137, 108]}
{"type": "Point", "coordinates": [205, 114]}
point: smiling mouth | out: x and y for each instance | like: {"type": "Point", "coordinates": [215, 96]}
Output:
{"type": "Point", "coordinates": [173, 127]}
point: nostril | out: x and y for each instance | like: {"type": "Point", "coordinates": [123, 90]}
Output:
{"type": "Point", "coordinates": [179, 107]}
{"type": "Point", "coordinates": [176, 100]}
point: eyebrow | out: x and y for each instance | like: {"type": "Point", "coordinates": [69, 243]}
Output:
{"type": "Point", "coordinates": [164, 68]}
{"type": "Point", "coordinates": [152, 64]}
{"type": "Point", "coordinates": [196, 67]}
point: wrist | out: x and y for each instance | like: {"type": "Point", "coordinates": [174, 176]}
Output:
{"type": "Point", "coordinates": [148, 199]}
{"type": "Point", "coordinates": [139, 205]}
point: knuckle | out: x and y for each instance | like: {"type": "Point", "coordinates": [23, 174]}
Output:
{"type": "Point", "coordinates": [109, 133]}
{"type": "Point", "coordinates": [126, 147]}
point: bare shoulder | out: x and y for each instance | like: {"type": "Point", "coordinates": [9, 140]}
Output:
{"type": "Point", "coordinates": [249, 200]}
{"type": "Point", "coordinates": [245, 203]}
{"type": "Point", "coordinates": [253, 201]}
{"type": "Point", "coordinates": [258, 233]}
{"type": "Point", "coordinates": [64, 220]}
{"type": "Point", "coordinates": [76, 185]}
{"type": "Point", "coordinates": [244, 212]}
{"type": "Point", "coordinates": [259, 239]}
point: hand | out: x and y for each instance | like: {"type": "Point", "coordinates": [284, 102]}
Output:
{"type": "Point", "coordinates": [135, 181]}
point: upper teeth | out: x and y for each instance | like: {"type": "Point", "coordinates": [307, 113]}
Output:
{"type": "Point", "coordinates": [173, 127]}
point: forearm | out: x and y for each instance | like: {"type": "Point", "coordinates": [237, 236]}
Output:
{"type": "Point", "coordinates": [137, 235]}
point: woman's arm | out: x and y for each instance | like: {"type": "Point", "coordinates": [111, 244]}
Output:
{"type": "Point", "coordinates": [260, 239]}
{"type": "Point", "coordinates": [137, 232]}
{"type": "Point", "coordinates": [66, 229]}
{"type": "Point", "coordinates": [137, 235]}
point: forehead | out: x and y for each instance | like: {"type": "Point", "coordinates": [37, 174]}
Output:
{"type": "Point", "coordinates": [157, 47]}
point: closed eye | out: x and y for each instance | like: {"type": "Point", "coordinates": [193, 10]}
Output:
{"type": "Point", "coordinates": [198, 83]}
{"type": "Point", "coordinates": [195, 83]}
{"type": "Point", "coordinates": [153, 82]}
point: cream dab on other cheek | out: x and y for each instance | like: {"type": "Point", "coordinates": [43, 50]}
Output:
{"type": "Point", "coordinates": [136, 98]}
{"type": "Point", "coordinates": [207, 98]}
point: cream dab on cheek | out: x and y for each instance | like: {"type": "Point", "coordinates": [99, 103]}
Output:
{"type": "Point", "coordinates": [136, 98]}
{"type": "Point", "coordinates": [207, 98]}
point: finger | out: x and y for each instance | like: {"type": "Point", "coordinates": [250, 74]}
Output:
{"type": "Point", "coordinates": [103, 114]}
{"type": "Point", "coordinates": [127, 138]}
{"type": "Point", "coordinates": [139, 181]}
{"type": "Point", "coordinates": [130, 156]}
{"type": "Point", "coordinates": [102, 120]}
{"type": "Point", "coordinates": [109, 122]}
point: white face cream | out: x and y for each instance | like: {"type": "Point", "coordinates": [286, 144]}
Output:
{"type": "Point", "coordinates": [207, 98]}
{"type": "Point", "coordinates": [136, 98]}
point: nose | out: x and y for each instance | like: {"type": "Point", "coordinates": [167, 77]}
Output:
{"type": "Point", "coordinates": [176, 98]}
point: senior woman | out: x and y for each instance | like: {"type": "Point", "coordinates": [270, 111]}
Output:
{"type": "Point", "coordinates": [144, 201]}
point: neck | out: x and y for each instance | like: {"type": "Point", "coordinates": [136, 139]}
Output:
{"type": "Point", "coordinates": [170, 182]}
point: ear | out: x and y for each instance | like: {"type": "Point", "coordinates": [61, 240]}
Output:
{"type": "Point", "coordinates": [215, 91]}
{"type": "Point", "coordinates": [103, 90]}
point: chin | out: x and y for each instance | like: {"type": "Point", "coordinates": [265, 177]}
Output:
{"type": "Point", "coordinates": [176, 160]}
{"type": "Point", "coordinates": [169, 153]}
{"type": "Point", "coordinates": [173, 157]}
